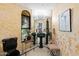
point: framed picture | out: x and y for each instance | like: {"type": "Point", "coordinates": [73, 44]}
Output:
{"type": "Point", "coordinates": [65, 21]}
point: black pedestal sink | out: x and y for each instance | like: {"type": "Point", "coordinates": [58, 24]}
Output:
{"type": "Point", "coordinates": [41, 35]}
{"type": "Point", "coordinates": [34, 38]}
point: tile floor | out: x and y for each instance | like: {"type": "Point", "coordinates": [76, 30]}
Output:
{"type": "Point", "coordinates": [38, 52]}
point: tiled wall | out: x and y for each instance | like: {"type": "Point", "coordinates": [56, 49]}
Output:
{"type": "Point", "coordinates": [68, 42]}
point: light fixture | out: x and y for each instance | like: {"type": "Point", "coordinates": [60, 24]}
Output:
{"type": "Point", "coordinates": [40, 14]}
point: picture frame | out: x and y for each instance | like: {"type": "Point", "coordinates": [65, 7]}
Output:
{"type": "Point", "coordinates": [65, 21]}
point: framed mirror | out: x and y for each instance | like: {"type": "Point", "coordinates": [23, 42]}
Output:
{"type": "Point", "coordinates": [25, 25]}
{"type": "Point", "coordinates": [65, 21]}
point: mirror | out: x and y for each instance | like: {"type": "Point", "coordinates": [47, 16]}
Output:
{"type": "Point", "coordinates": [25, 24]}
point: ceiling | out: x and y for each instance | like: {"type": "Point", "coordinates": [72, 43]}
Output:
{"type": "Point", "coordinates": [34, 6]}
{"type": "Point", "coordinates": [39, 9]}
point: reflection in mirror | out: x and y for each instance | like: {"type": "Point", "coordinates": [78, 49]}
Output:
{"type": "Point", "coordinates": [25, 22]}
{"type": "Point", "coordinates": [25, 25]}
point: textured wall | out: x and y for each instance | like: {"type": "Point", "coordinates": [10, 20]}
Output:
{"type": "Point", "coordinates": [10, 22]}
{"type": "Point", "coordinates": [68, 42]}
